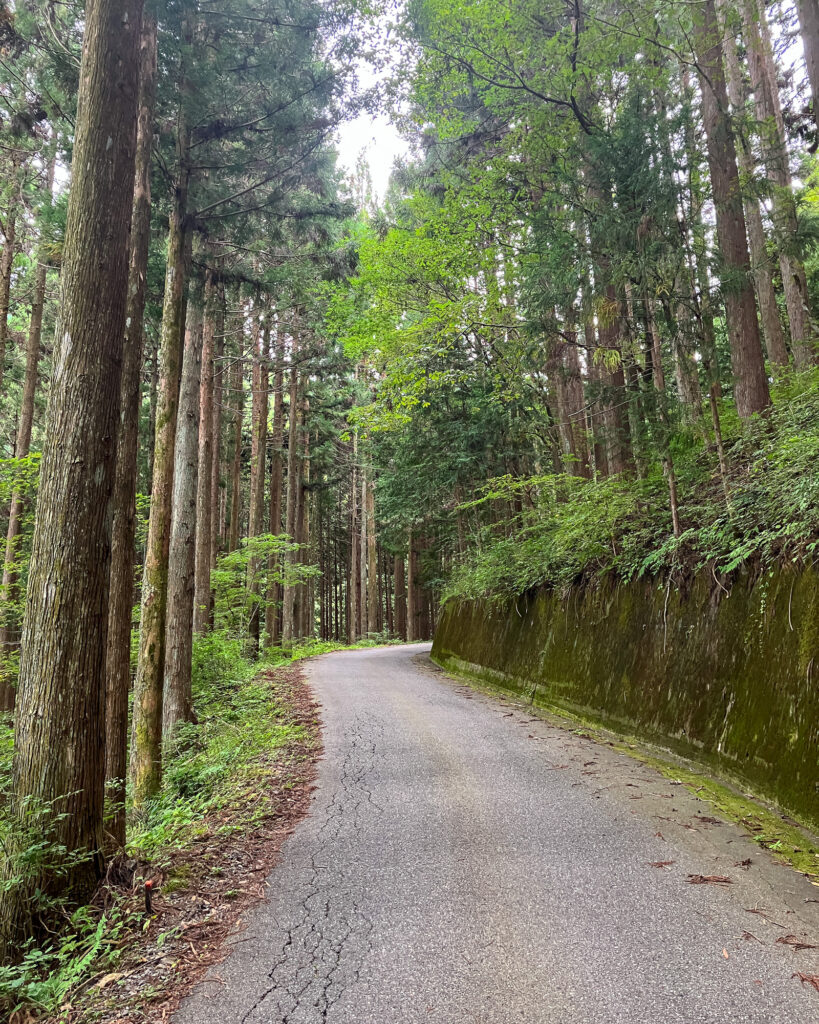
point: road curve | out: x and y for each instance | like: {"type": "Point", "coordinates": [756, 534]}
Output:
{"type": "Point", "coordinates": [465, 863]}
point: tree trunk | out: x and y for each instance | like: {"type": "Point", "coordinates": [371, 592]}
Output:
{"type": "Point", "coordinates": [236, 465]}
{"type": "Point", "coordinates": [373, 603]}
{"type": "Point", "coordinates": [6, 263]}
{"type": "Point", "coordinates": [257, 460]}
{"type": "Point", "coordinates": [217, 528]}
{"type": "Point", "coordinates": [809, 30]}
{"type": "Point", "coordinates": [412, 591]}
{"type": "Point", "coordinates": [352, 580]}
{"type": "Point", "coordinates": [276, 479]}
{"type": "Point", "coordinates": [400, 597]}
{"type": "Point", "coordinates": [177, 702]}
{"type": "Point", "coordinates": [289, 591]}
{"type": "Point", "coordinates": [306, 608]}
{"type": "Point", "coordinates": [9, 624]}
{"type": "Point", "coordinates": [204, 473]}
{"type": "Point", "coordinates": [783, 201]}
{"type": "Point", "coordinates": [772, 332]}
{"type": "Point", "coordinates": [59, 727]}
{"type": "Point", "coordinates": [118, 654]}
{"type": "Point", "coordinates": [750, 381]}
{"type": "Point", "coordinates": [146, 746]}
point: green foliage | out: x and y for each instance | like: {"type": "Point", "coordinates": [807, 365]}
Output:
{"type": "Point", "coordinates": [573, 530]}
{"type": "Point", "coordinates": [242, 578]}
{"type": "Point", "coordinates": [212, 762]}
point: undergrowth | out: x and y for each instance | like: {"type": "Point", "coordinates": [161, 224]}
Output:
{"type": "Point", "coordinates": [215, 764]}
{"type": "Point", "coordinates": [571, 530]}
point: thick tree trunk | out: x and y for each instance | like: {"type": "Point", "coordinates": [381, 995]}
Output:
{"type": "Point", "coordinates": [809, 30]}
{"type": "Point", "coordinates": [772, 332]}
{"type": "Point", "coordinates": [118, 654]}
{"type": "Point", "coordinates": [258, 452]}
{"type": "Point", "coordinates": [204, 487]}
{"type": "Point", "coordinates": [276, 480]}
{"type": "Point", "coordinates": [750, 381]}
{"type": "Point", "coordinates": [783, 201]}
{"type": "Point", "coordinates": [146, 746]}
{"type": "Point", "coordinates": [9, 624]}
{"type": "Point", "coordinates": [59, 727]}
{"type": "Point", "coordinates": [177, 702]}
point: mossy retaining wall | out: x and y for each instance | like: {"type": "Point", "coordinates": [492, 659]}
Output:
{"type": "Point", "coordinates": [725, 676]}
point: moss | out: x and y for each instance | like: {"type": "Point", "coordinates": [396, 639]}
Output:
{"type": "Point", "coordinates": [724, 677]}
{"type": "Point", "coordinates": [787, 840]}
{"type": "Point", "coordinates": [178, 878]}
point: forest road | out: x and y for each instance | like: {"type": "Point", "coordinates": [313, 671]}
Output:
{"type": "Point", "coordinates": [462, 862]}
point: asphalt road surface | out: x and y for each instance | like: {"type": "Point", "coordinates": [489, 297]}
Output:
{"type": "Point", "coordinates": [463, 862]}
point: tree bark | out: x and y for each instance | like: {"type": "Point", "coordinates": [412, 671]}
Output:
{"type": "Point", "coordinates": [772, 332]}
{"type": "Point", "coordinates": [412, 591]}
{"type": "Point", "coordinates": [59, 727]}
{"type": "Point", "coordinates": [9, 624]}
{"type": "Point", "coordinates": [750, 381]}
{"type": "Point", "coordinates": [289, 591]}
{"type": "Point", "coordinates": [783, 201]}
{"type": "Point", "coordinates": [305, 605]}
{"type": "Point", "coordinates": [400, 588]}
{"type": "Point", "coordinates": [6, 264]}
{"type": "Point", "coordinates": [236, 465]}
{"type": "Point", "coordinates": [257, 460]}
{"type": "Point", "coordinates": [276, 479]}
{"type": "Point", "coordinates": [177, 702]}
{"type": "Point", "coordinates": [353, 578]}
{"type": "Point", "coordinates": [118, 654]}
{"type": "Point", "coordinates": [146, 746]}
{"type": "Point", "coordinates": [809, 30]}
{"type": "Point", "coordinates": [217, 504]}
{"type": "Point", "coordinates": [373, 603]}
{"type": "Point", "coordinates": [204, 473]}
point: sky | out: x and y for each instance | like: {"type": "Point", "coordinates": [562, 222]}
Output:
{"type": "Point", "coordinates": [379, 139]}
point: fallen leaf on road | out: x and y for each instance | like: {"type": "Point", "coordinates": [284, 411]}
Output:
{"type": "Point", "coordinates": [725, 953]}
{"type": "Point", "coordinates": [750, 935]}
{"type": "Point", "coordinates": [743, 863]}
{"type": "Point", "coordinates": [807, 979]}
{"type": "Point", "coordinates": [709, 880]}
{"type": "Point", "coordinates": [661, 863]}
{"type": "Point", "coordinates": [795, 941]}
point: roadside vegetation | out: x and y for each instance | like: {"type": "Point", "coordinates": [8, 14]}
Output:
{"type": "Point", "coordinates": [235, 780]}
{"type": "Point", "coordinates": [759, 508]}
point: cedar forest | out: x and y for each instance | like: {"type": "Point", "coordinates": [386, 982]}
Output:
{"type": "Point", "coordinates": [249, 409]}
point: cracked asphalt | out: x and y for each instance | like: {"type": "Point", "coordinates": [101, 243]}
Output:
{"type": "Point", "coordinates": [464, 862]}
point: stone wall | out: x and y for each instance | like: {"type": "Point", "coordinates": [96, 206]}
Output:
{"type": "Point", "coordinates": [724, 674]}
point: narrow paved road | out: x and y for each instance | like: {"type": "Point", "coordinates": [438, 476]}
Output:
{"type": "Point", "coordinates": [463, 862]}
